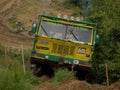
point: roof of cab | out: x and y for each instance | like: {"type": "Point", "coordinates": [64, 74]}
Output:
{"type": "Point", "coordinates": [75, 21]}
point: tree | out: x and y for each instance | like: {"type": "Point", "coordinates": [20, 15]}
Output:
{"type": "Point", "coordinates": [106, 14]}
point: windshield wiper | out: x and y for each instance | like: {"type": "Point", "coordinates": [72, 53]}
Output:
{"type": "Point", "coordinates": [71, 32]}
{"type": "Point", "coordinates": [44, 30]}
{"type": "Point", "coordinates": [65, 32]}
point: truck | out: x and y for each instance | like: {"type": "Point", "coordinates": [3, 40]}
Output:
{"type": "Point", "coordinates": [61, 42]}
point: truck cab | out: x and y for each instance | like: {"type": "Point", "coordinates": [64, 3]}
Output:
{"type": "Point", "coordinates": [60, 41]}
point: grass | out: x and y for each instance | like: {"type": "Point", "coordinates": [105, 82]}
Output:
{"type": "Point", "coordinates": [67, 4]}
{"type": "Point", "coordinates": [54, 1]}
{"type": "Point", "coordinates": [12, 76]}
{"type": "Point", "coordinates": [12, 22]}
{"type": "Point", "coordinates": [14, 80]}
{"type": "Point", "coordinates": [62, 74]}
{"type": "Point", "coordinates": [28, 12]}
{"type": "Point", "coordinates": [77, 12]}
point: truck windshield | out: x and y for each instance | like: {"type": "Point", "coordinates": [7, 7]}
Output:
{"type": "Point", "coordinates": [65, 31]}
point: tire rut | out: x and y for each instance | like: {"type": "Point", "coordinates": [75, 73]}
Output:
{"type": "Point", "coordinates": [8, 37]}
{"type": "Point", "coordinates": [3, 4]}
{"type": "Point", "coordinates": [5, 10]}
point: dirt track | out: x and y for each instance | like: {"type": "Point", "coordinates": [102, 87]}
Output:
{"type": "Point", "coordinates": [8, 6]}
{"type": "Point", "coordinates": [8, 37]}
{"type": "Point", "coordinates": [73, 84]}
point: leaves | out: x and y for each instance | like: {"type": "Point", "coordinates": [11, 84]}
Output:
{"type": "Point", "coordinates": [106, 14]}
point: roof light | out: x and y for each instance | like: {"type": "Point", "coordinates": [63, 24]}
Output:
{"type": "Point", "coordinates": [65, 16]}
{"type": "Point", "coordinates": [77, 19]}
{"type": "Point", "coordinates": [59, 15]}
{"type": "Point", "coordinates": [71, 18]}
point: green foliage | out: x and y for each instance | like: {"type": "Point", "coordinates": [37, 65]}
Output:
{"type": "Point", "coordinates": [2, 50]}
{"type": "Point", "coordinates": [78, 2]}
{"type": "Point", "coordinates": [16, 80]}
{"type": "Point", "coordinates": [12, 76]}
{"type": "Point", "coordinates": [54, 1]}
{"type": "Point", "coordinates": [67, 4]}
{"type": "Point", "coordinates": [106, 15]}
{"type": "Point", "coordinates": [12, 22]}
{"type": "Point", "coordinates": [11, 80]}
{"type": "Point", "coordinates": [61, 75]}
{"type": "Point", "coordinates": [114, 71]}
{"type": "Point", "coordinates": [77, 12]}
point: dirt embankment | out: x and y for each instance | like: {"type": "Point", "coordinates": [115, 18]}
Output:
{"type": "Point", "coordinates": [7, 36]}
{"type": "Point", "coordinates": [13, 39]}
{"type": "Point", "coordinates": [73, 84]}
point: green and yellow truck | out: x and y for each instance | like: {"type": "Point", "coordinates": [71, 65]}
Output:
{"type": "Point", "coordinates": [63, 42]}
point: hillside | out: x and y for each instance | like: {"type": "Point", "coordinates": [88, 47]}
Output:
{"type": "Point", "coordinates": [25, 12]}
{"type": "Point", "coordinates": [73, 84]}
{"type": "Point", "coordinates": [8, 36]}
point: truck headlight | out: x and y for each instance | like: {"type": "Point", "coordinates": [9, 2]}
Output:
{"type": "Point", "coordinates": [82, 50]}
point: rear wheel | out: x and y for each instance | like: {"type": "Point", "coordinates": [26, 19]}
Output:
{"type": "Point", "coordinates": [84, 75]}
{"type": "Point", "coordinates": [36, 69]}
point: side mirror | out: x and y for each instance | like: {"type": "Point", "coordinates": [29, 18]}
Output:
{"type": "Point", "coordinates": [33, 30]}
{"type": "Point", "coordinates": [34, 27]}
{"type": "Point", "coordinates": [97, 39]}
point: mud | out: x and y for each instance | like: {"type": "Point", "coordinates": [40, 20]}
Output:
{"type": "Point", "coordinates": [8, 37]}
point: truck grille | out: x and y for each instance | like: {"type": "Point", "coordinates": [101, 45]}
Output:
{"type": "Point", "coordinates": [63, 49]}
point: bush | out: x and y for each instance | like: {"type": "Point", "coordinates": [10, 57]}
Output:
{"type": "Point", "coordinates": [61, 75]}
{"type": "Point", "coordinates": [108, 50]}
{"type": "Point", "coordinates": [2, 50]}
{"type": "Point", "coordinates": [77, 12]}
{"type": "Point", "coordinates": [67, 5]}
{"type": "Point", "coordinates": [12, 76]}
{"type": "Point", "coordinates": [12, 21]}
